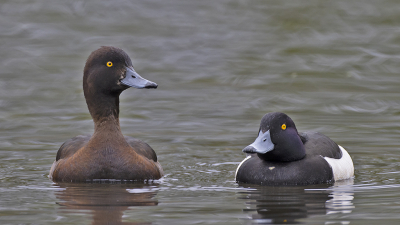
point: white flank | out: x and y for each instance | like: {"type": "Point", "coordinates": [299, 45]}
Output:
{"type": "Point", "coordinates": [342, 168]}
{"type": "Point", "coordinates": [240, 164]}
{"type": "Point", "coordinates": [53, 167]}
{"type": "Point", "coordinates": [159, 168]}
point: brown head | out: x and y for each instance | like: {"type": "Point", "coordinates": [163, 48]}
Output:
{"type": "Point", "coordinates": [108, 72]}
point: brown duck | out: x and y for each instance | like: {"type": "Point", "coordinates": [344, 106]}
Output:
{"type": "Point", "coordinates": [106, 154]}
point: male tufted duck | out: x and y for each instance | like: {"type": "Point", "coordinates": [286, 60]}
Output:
{"type": "Point", "coordinates": [106, 154]}
{"type": "Point", "coordinates": [282, 156]}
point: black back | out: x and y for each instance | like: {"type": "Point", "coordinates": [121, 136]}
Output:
{"type": "Point", "coordinates": [318, 144]}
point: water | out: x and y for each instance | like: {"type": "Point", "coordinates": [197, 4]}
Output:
{"type": "Point", "coordinates": [220, 65]}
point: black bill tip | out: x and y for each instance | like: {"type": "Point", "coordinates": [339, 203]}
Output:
{"type": "Point", "coordinates": [249, 149]}
{"type": "Point", "coordinates": [151, 85]}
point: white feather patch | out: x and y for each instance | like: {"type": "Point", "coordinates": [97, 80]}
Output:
{"type": "Point", "coordinates": [240, 164]}
{"type": "Point", "coordinates": [342, 168]}
{"type": "Point", "coordinates": [53, 167]}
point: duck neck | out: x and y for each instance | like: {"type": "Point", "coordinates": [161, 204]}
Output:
{"type": "Point", "coordinates": [285, 155]}
{"type": "Point", "coordinates": [104, 110]}
{"type": "Point", "coordinates": [287, 148]}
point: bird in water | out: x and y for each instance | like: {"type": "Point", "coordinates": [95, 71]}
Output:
{"type": "Point", "coordinates": [107, 154]}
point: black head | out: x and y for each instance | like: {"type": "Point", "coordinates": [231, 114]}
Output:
{"type": "Point", "coordinates": [278, 139]}
{"type": "Point", "coordinates": [109, 71]}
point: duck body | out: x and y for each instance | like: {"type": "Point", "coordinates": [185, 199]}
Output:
{"type": "Point", "coordinates": [106, 154]}
{"type": "Point", "coordinates": [282, 156]}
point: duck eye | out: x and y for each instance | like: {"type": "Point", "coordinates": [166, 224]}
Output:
{"type": "Point", "coordinates": [283, 127]}
{"type": "Point", "coordinates": [264, 140]}
{"type": "Point", "coordinates": [109, 64]}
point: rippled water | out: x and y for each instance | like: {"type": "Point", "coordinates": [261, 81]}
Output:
{"type": "Point", "coordinates": [220, 65]}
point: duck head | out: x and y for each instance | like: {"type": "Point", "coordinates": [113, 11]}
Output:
{"type": "Point", "coordinates": [108, 72]}
{"type": "Point", "coordinates": [278, 139]}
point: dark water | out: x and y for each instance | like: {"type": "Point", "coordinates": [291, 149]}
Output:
{"type": "Point", "coordinates": [220, 65]}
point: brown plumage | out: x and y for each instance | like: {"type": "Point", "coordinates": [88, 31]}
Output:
{"type": "Point", "coordinates": [106, 154]}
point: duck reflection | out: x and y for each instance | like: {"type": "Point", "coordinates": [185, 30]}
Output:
{"type": "Point", "coordinates": [288, 204]}
{"type": "Point", "coordinates": [106, 202]}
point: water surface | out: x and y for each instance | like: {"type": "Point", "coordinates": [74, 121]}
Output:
{"type": "Point", "coordinates": [220, 65]}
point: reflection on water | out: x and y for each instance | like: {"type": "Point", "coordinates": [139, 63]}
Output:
{"type": "Point", "coordinates": [342, 196]}
{"type": "Point", "coordinates": [289, 204]}
{"type": "Point", "coordinates": [106, 202]}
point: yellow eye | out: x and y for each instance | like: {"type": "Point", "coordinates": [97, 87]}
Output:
{"type": "Point", "coordinates": [109, 64]}
{"type": "Point", "coordinates": [283, 126]}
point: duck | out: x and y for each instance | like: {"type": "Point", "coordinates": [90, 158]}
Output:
{"type": "Point", "coordinates": [107, 154]}
{"type": "Point", "coordinates": [282, 156]}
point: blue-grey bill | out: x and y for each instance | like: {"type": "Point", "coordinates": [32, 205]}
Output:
{"type": "Point", "coordinates": [262, 144]}
{"type": "Point", "coordinates": [133, 79]}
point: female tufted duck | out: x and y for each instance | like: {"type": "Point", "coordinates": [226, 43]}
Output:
{"type": "Point", "coordinates": [282, 156]}
{"type": "Point", "coordinates": [106, 154]}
